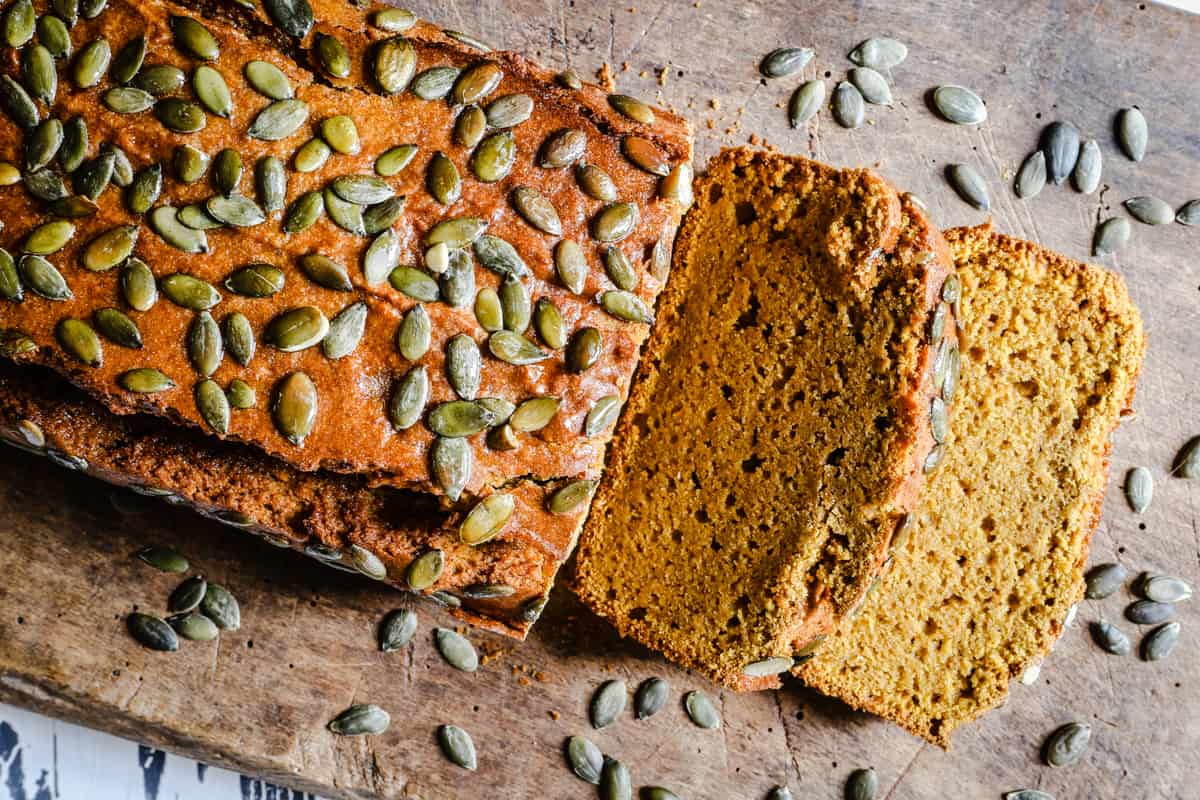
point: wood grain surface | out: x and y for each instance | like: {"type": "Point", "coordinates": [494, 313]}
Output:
{"type": "Point", "coordinates": [258, 699]}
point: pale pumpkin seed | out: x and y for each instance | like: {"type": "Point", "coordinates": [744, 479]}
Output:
{"type": "Point", "coordinates": [493, 159]}
{"type": "Point", "coordinates": [181, 116]}
{"type": "Point", "coordinates": [651, 696]}
{"type": "Point", "coordinates": [785, 61]}
{"type": "Point", "coordinates": [279, 120]}
{"type": "Point", "coordinates": [464, 366]}
{"type": "Point", "coordinates": [457, 282]}
{"type": "Point", "coordinates": [536, 209]}
{"type": "Point", "coordinates": [677, 186]}
{"type": "Point", "coordinates": [863, 784]}
{"type": "Point", "coordinates": [304, 212]}
{"type": "Point", "coordinates": [239, 338]}
{"type": "Point", "coordinates": [165, 222]}
{"type": "Point", "coordinates": [1111, 639]}
{"type": "Point", "coordinates": [874, 88]}
{"type": "Point", "coordinates": [563, 148]}
{"type": "Point", "coordinates": [152, 632]}
{"type": "Point", "coordinates": [1111, 235]}
{"type": "Point", "coordinates": [345, 331]}
{"type": "Point", "coordinates": [397, 628]}
{"type": "Point", "coordinates": [596, 183]}
{"type": "Point", "coordinates": [235, 210]}
{"type": "Point", "coordinates": [159, 80]}
{"type": "Point", "coordinates": [144, 380]}
{"type": "Point", "coordinates": [1067, 744]}
{"type": "Point", "coordinates": [585, 759]}
{"type": "Point", "coordinates": [487, 519]}
{"type": "Point", "coordinates": [1139, 489]}
{"type": "Point", "coordinates": [450, 461]}
{"type": "Point", "coordinates": [1159, 643]}
{"type": "Point", "coordinates": [437, 258]}
{"type": "Point", "coordinates": [847, 105]}
{"type": "Point", "coordinates": [414, 283]}
{"type": "Point", "coordinates": [1150, 210]}
{"type": "Point", "coordinates": [701, 711]}
{"type": "Point", "coordinates": [534, 414]}
{"type": "Point", "coordinates": [615, 782]}
{"type": "Point", "coordinates": [626, 306]}
{"type": "Point", "coordinates": [435, 82]}
{"type": "Point", "coordinates": [122, 174]}
{"type": "Point", "coordinates": [346, 215]}
{"type": "Point", "coordinates": [607, 703]}
{"type": "Point", "coordinates": [205, 346]}
{"type": "Point", "coordinates": [196, 217]}
{"type": "Point", "coordinates": [1189, 213]}
{"type": "Point", "coordinates": [194, 39]}
{"type": "Point", "coordinates": [1060, 143]}
{"type": "Point", "coordinates": [268, 80]}
{"type": "Point", "coordinates": [498, 256]}
{"type": "Point", "coordinates": [571, 265]}
{"type": "Point", "coordinates": [412, 339]}
{"type": "Point", "coordinates": [49, 237]}
{"type": "Point", "coordinates": [213, 405]}
{"type": "Point", "coordinates": [457, 232]}
{"type": "Point", "coordinates": [1088, 167]}
{"type": "Point", "coordinates": [367, 563]}
{"type": "Point", "coordinates": [1103, 580]}
{"type": "Point", "coordinates": [212, 91]}
{"type": "Point", "coordinates": [295, 407]}
{"type": "Point", "coordinates": [118, 327]}
{"type": "Point", "coordinates": [513, 348]}
{"type": "Point", "coordinates": [470, 126]}
{"type": "Point", "coordinates": [394, 64]}
{"type": "Point", "coordinates": [194, 627]}
{"type": "Point", "coordinates": [392, 161]}
{"type": "Point", "coordinates": [332, 55]}
{"type": "Point", "coordinates": [488, 312]}
{"type": "Point", "coordinates": [43, 279]}
{"type": "Point", "coordinates": [456, 649]}
{"type": "Point", "coordinates": [360, 720]}
{"type": "Point", "coordinates": [509, 110]}
{"type": "Point", "coordinates": [409, 398]}
{"type": "Point", "coordinates": [39, 73]}
{"type": "Point", "coordinates": [584, 349]}
{"type": "Point", "coordinates": [1031, 177]}
{"type": "Point", "coordinates": [602, 415]}
{"type": "Point", "coordinates": [619, 269]}
{"type": "Point", "coordinates": [879, 53]}
{"type": "Point", "coordinates": [381, 257]}
{"type": "Point", "coordinates": [296, 329]}
{"type": "Point", "coordinates": [422, 573]}
{"type": "Point", "coordinates": [1148, 612]}
{"type": "Point", "coordinates": [1165, 589]}
{"type": "Point", "coordinates": [443, 180]}
{"type": "Point", "coordinates": [293, 17]}
{"type": "Point", "coordinates": [241, 394]}
{"type": "Point", "coordinates": [615, 222]}
{"type": "Point", "coordinates": [969, 185]}
{"type": "Point", "coordinates": [1132, 133]}
{"type": "Point", "coordinates": [806, 101]}
{"type": "Point", "coordinates": [45, 185]}
{"type": "Point", "coordinates": [959, 105]}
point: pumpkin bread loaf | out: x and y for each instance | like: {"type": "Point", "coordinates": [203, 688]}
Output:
{"type": "Point", "coordinates": [779, 428]}
{"type": "Point", "coordinates": [981, 581]}
{"type": "Point", "coordinates": [348, 241]}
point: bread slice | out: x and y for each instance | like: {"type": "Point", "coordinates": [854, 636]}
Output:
{"type": "Point", "coordinates": [979, 585]}
{"type": "Point", "coordinates": [779, 427]}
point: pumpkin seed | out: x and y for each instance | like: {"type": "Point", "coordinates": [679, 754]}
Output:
{"type": "Point", "coordinates": [152, 632]}
{"type": "Point", "coordinates": [196, 217]}
{"type": "Point", "coordinates": [488, 312]}
{"type": "Point", "coordinates": [381, 257]}
{"type": "Point", "coordinates": [39, 73]}
{"type": "Point", "coordinates": [412, 339]}
{"type": "Point", "coordinates": [464, 366]}
{"type": "Point", "coordinates": [67, 9]}
{"type": "Point", "coordinates": [806, 101]}
{"type": "Point", "coordinates": [476, 83]}
{"type": "Point", "coordinates": [145, 188]}
{"type": "Point", "coordinates": [1148, 612]}
{"type": "Point", "coordinates": [645, 155]}
{"type": "Point", "coordinates": [396, 20]}
{"type": "Point", "coordinates": [397, 628]}
{"type": "Point", "coordinates": [394, 64]}
{"type": "Point", "coordinates": [422, 573]}
{"type": "Point", "coordinates": [677, 186]}
{"type": "Point", "coordinates": [785, 61]}
{"type": "Point", "coordinates": [332, 55]}
{"type": "Point", "coordinates": [503, 437]}
{"type": "Point", "coordinates": [456, 649]}
{"type": "Point", "coordinates": [205, 346]}
{"type": "Point", "coordinates": [346, 215]}
{"type": "Point", "coordinates": [189, 163]}
{"type": "Point", "coordinates": [862, 784]}
{"type": "Point", "coordinates": [324, 271]}
{"type": "Point", "coordinates": [187, 595]}
{"type": "Point", "coordinates": [548, 322]}
{"type": "Point", "coordinates": [1139, 489]}
{"type": "Point", "coordinates": [632, 108]}
{"type": "Point", "coordinates": [45, 185]}
{"type": "Point", "coordinates": [304, 212]}
{"type": "Point", "coordinates": [163, 558]}
{"type": "Point", "coordinates": [1086, 175]}
{"type": "Point", "coordinates": [607, 703]}
{"type": "Point", "coordinates": [414, 283]}
{"type": "Point", "coordinates": [451, 465]}
{"type": "Point", "coordinates": [296, 329]}
{"type": "Point", "coordinates": [279, 120]}
{"type": "Point", "coordinates": [227, 171]}
{"type": "Point", "coordinates": [651, 696]}
{"type": "Point", "coordinates": [270, 181]}
{"type": "Point", "coordinates": [118, 328]}
{"type": "Point", "coordinates": [165, 222]}
{"type": "Point", "coordinates": [341, 134]}
{"type": "Point", "coordinates": [1165, 589]}
{"type": "Point", "coordinates": [434, 83]}
{"type": "Point", "coordinates": [969, 185]}
{"type": "Point", "coordinates": [768, 667]}
{"type": "Point", "coordinates": [1189, 213]}
{"type": "Point", "coordinates": [1060, 143]}
{"type": "Point", "coordinates": [467, 39]}
{"type": "Point", "coordinates": [345, 331]}
{"type": "Point", "coordinates": [159, 80]}
{"type": "Point", "coordinates": [569, 79]}
{"type": "Point", "coordinates": [236, 211]}
{"type": "Point", "coordinates": [458, 232]}
{"type": "Point", "coordinates": [658, 793]}
{"type": "Point", "coordinates": [470, 126]}
{"type": "Point", "coordinates": [1103, 580]}
{"type": "Point", "coordinates": [780, 793]}
{"type": "Point", "coordinates": [145, 380]}
{"type": "Point", "coordinates": [879, 53]}
{"type": "Point", "coordinates": [847, 105]}
{"type": "Point", "coordinates": [181, 116]}
{"type": "Point", "coordinates": [626, 306]}
{"type": "Point", "coordinates": [1067, 744]}
{"type": "Point", "coordinates": [1028, 794]}
{"type": "Point", "coordinates": [1031, 177]}
{"type": "Point", "coordinates": [701, 711]}
{"type": "Point", "coordinates": [17, 104]}
{"type": "Point", "coordinates": [14, 343]}
{"type": "Point", "coordinates": [459, 418]}
{"type": "Point", "coordinates": [874, 88]}
{"type": "Point", "coordinates": [268, 80]}
{"type": "Point", "coordinates": [495, 254]}
{"type": "Point", "coordinates": [49, 237]}
{"type": "Point", "coordinates": [1111, 639]}
{"type": "Point", "coordinates": [43, 279]}
{"type": "Point", "coordinates": [239, 338]}
{"type": "Point", "coordinates": [619, 269]}
{"type": "Point", "coordinates": [381, 216]}
{"type": "Point", "coordinates": [571, 265]}
{"type": "Point", "coordinates": [128, 61]}
{"type": "Point", "coordinates": [570, 496]}
{"type": "Point", "coordinates": [443, 180]}
{"type": "Point", "coordinates": [959, 105]}
{"type": "Point", "coordinates": [1159, 643]}
{"type": "Point", "coordinates": [194, 39]}
{"type": "Point", "coordinates": [295, 407]}
{"type": "Point", "coordinates": [73, 207]}
{"type": "Point", "coordinates": [194, 627]}
{"type": "Point", "coordinates": [392, 161]}
{"type": "Point", "coordinates": [513, 348]}
{"type": "Point", "coordinates": [1150, 210]}
{"type": "Point", "coordinates": [509, 110]}
{"type": "Point", "coordinates": [212, 91]}
{"type": "Point", "coordinates": [584, 349]}
{"type": "Point", "coordinates": [137, 285]}
{"type": "Point", "coordinates": [603, 414]}
{"type": "Point", "coordinates": [437, 258]}
{"type": "Point", "coordinates": [122, 174]}
{"type": "Point", "coordinates": [360, 719]}
{"type": "Point", "coordinates": [493, 159]}
{"type": "Point", "coordinates": [939, 424]}
{"type": "Point", "coordinates": [487, 591]}
{"type": "Point", "coordinates": [52, 33]}
{"type": "Point", "coordinates": [487, 519]}
{"type": "Point", "coordinates": [367, 563]}
{"type": "Point", "coordinates": [1111, 235]}
{"type": "Point", "coordinates": [1132, 133]}
{"type": "Point", "coordinates": [564, 148]}
{"type": "Point", "coordinates": [585, 759]}
{"type": "Point", "coordinates": [409, 398]}
{"type": "Point", "coordinates": [10, 282]}
{"type": "Point", "coordinates": [93, 176]}
{"type": "Point", "coordinates": [295, 18]}
{"type": "Point", "coordinates": [596, 183]}
{"type": "Point", "coordinates": [534, 414]}
{"type": "Point", "coordinates": [457, 282]}
{"type": "Point", "coordinates": [536, 209]}
{"type": "Point", "coordinates": [615, 222]}
{"type": "Point", "coordinates": [18, 23]}
{"type": "Point", "coordinates": [9, 174]}
{"type": "Point", "coordinates": [241, 394]}
{"type": "Point", "coordinates": [91, 63]}
{"type": "Point", "coordinates": [213, 405]}
{"type": "Point", "coordinates": [615, 783]}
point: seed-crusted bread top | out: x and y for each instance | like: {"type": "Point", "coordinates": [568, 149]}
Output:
{"type": "Point", "coordinates": [982, 579]}
{"type": "Point", "coordinates": [498, 148]}
{"type": "Point", "coordinates": [779, 426]}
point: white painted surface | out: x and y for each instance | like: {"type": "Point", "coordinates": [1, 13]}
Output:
{"type": "Point", "coordinates": [1187, 5]}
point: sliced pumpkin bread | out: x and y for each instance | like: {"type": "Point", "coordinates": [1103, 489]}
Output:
{"type": "Point", "coordinates": [979, 587]}
{"type": "Point", "coordinates": [779, 428]}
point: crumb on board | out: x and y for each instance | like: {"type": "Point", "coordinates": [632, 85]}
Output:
{"type": "Point", "coordinates": [662, 76]}
{"type": "Point", "coordinates": [714, 103]}
{"type": "Point", "coordinates": [643, 74]}
{"type": "Point", "coordinates": [604, 77]}
{"type": "Point", "coordinates": [624, 66]}
{"type": "Point", "coordinates": [554, 715]}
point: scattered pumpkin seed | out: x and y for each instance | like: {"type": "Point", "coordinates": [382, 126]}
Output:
{"type": "Point", "coordinates": [1139, 489]}
{"type": "Point", "coordinates": [412, 339]}
{"type": "Point", "coordinates": [487, 519]}
{"type": "Point", "coordinates": [847, 105]}
{"type": "Point", "coordinates": [367, 563]}
{"type": "Point", "coordinates": [332, 55]}
{"type": "Point", "coordinates": [164, 559]}
{"type": "Point", "coordinates": [969, 185]}
{"type": "Point", "coordinates": [296, 329]}
{"type": "Point", "coordinates": [570, 496]}
{"type": "Point", "coordinates": [1159, 643]}
{"type": "Point", "coordinates": [1150, 210]}
{"type": "Point", "coordinates": [536, 209]}
{"type": "Point", "coordinates": [1088, 168]}
{"type": "Point", "coordinates": [457, 746]}
{"type": "Point", "coordinates": [615, 782]}
{"type": "Point", "coordinates": [360, 720]}
{"type": "Point", "coordinates": [435, 82]}
{"type": "Point", "coordinates": [569, 79]}
{"type": "Point", "coordinates": [279, 120]}
{"type": "Point", "coordinates": [585, 759]}
{"type": "Point", "coordinates": [143, 192]}
{"type": "Point", "coordinates": [1189, 213]}
{"type": "Point", "coordinates": [1148, 612]}
{"type": "Point", "coordinates": [780, 793]}
{"type": "Point", "coordinates": [879, 53]}
{"type": "Point", "coordinates": [187, 595]}
{"type": "Point", "coordinates": [873, 87]}
{"type": "Point", "coordinates": [205, 345]}
{"type": "Point", "coordinates": [1031, 177]}
{"type": "Point", "coordinates": [397, 629]}
{"type": "Point", "coordinates": [768, 667]}
{"type": "Point", "coordinates": [496, 255]}
{"type": "Point", "coordinates": [1111, 639]}
{"type": "Point", "coordinates": [603, 414]}
{"type": "Point", "coordinates": [701, 711]}
{"type": "Point", "coordinates": [806, 102]}
{"type": "Point", "coordinates": [1103, 580]}
{"type": "Point", "coordinates": [396, 20]}
{"type": "Point", "coordinates": [213, 405]}
{"type": "Point", "coordinates": [1132, 133]}
{"type": "Point", "coordinates": [1165, 589]}
{"type": "Point", "coordinates": [423, 572]}
{"type": "Point", "coordinates": [651, 696]}
{"type": "Point", "coordinates": [145, 380]}
{"type": "Point", "coordinates": [79, 340]}
{"type": "Point", "coordinates": [194, 627]}
{"type": "Point", "coordinates": [509, 110]}
{"type": "Point", "coordinates": [345, 331]}
{"type": "Point", "coordinates": [1111, 235]}
{"type": "Point", "coordinates": [118, 328]}
{"type": "Point", "coordinates": [784, 61]}
{"type": "Point", "coordinates": [1060, 143]}
{"type": "Point", "coordinates": [152, 632]}
{"type": "Point", "coordinates": [409, 398]}
{"type": "Point", "coordinates": [392, 161]}
{"type": "Point", "coordinates": [394, 64]}
{"type": "Point", "coordinates": [959, 105]}
{"type": "Point", "coordinates": [346, 215]}
{"type": "Point", "coordinates": [324, 271]}
{"type": "Point", "coordinates": [52, 33]}
{"type": "Point", "coordinates": [607, 703]}
{"type": "Point", "coordinates": [488, 311]}
{"type": "Point", "coordinates": [632, 108]}
{"type": "Point", "coordinates": [1067, 744]}
{"type": "Point", "coordinates": [456, 649]}
{"type": "Point", "coordinates": [862, 784]}
{"type": "Point", "coordinates": [626, 306]}
{"type": "Point", "coordinates": [193, 38]}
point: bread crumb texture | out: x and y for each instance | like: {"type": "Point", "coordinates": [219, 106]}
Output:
{"type": "Point", "coordinates": [979, 588]}
{"type": "Point", "coordinates": [770, 446]}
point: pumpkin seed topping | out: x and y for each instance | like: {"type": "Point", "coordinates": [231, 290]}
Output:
{"type": "Point", "coordinates": [509, 111]}
{"type": "Point", "coordinates": [414, 283]}
{"type": "Point", "coordinates": [205, 346]}
{"type": "Point", "coordinates": [235, 210]}
{"type": "Point", "coordinates": [626, 306]}
{"type": "Point", "coordinates": [213, 405]}
{"type": "Point", "coordinates": [443, 180]}
{"type": "Point", "coordinates": [212, 91]}
{"type": "Point", "coordinates": [42, 145]}
{"type": "Point", "coordinates": [241, 394]}
{"type": "Point", "coordinates": [159, 80]}
{"type": "Point", "coordinates": [584, 349]}
{"type": "Point", "coordinates": [279, 120]}
{"type": "Point", "coordinates": [145, 380]}
{"type": "Point", "coordinates": [345, 331]}
{"type": "Point", "coordinates": [304, 212]}
{"type": "Point", "coordinates": [470, 126]}
{"type": "Point", "coordinates": [476, 83]}
{"type": "Point", "coordinates": [487, 519]}
{"type": "Point", "coordinates": [118, 328]}
{"type": "Point", "coordinates": [48, 238]}
{"type": "Point", "coordinates": [409, 398]}
{"type": "Point", "coordinates": [293, 17]}
{"type": "Point", "coordinates": [563, 148]}
{"type": "Point", "coordinates": [424, 571]}
{"type": "Point", "coordinates": [392, 161]}
{"type": "Point", "coordinates": [537, 210]}
{"type": "Point", "coordinates": [435, 82]}
{"type": "Point", "coordinates": [632, 108]}
{"type": "Point", "coordinates": [570, 496]}
{"type": "Point", "coordinates": [43, 279]}
{"type": "Point", "coordinates": [52, 33]}
{"type": "Point", "coordinates": [268, 80]}
{"type": "Point", "coordinates": [324, 271]}
{"type": "Point", "coordinates": [165, 222]}
{"type": "Point", "coordinates": [513, 348]}
{"type": "Point", "coordinates": [295, 407]}
{"type": "Point", "coordinates": [296, 329]}
{"type": "Point", "coordinates": [496, 255]}
{"type": "Point", "coordinates": [569, 79]}
{"type": "Point", "coordinates": [332, 55]}
{"type": "Point", "coordinates": [493, 159]}
{"type": "Point", "coordinates": [488, 311]}
{"type": "Point", "coordinates": [78, 339]}
{"type": "Point", "coordinates": [596, 183]}
{"type": "Point", "coordinates": [412, 339]}
{"type": "Point", "coordinates": [451, 459]}
{"type": "Point", "coordinates": [394, 64]}
{"type": "Point", "coordinates": [602, 415]}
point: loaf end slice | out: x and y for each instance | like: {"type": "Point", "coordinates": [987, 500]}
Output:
{"type": "Point", "coordinates": [779, 424]}
{"type": "Point", "coordinates": [981, 581]}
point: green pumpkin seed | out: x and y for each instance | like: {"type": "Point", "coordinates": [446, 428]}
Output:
{"type": "Point", "coordinates": [43, 279]}
{"type": "Point", "coordinates": [360, 720]}
{"type": "Point", "coordinates": [110, 248]}
{"type": "Point", "coordinates": [118, 328]}
{"type": "Point", "coordinates": [487, 519]}
{"type": "Point", "coordinates": [395, 20]}
{"type": "Point", "coordinates": [293, 17]}
{"type": "Point", "coordinates": [145, 380]}
{"type": "Point", "coordinates": [571, 265]}
{"type": "Point", "coordinates": [398, 627]}
{"type": "Point", "coordinates": [181, 116]}
{"type": "Point", "coordinates": [241, 394]}
{"type": "Point", "coordinates": [332, 55]}
{"type": "Point", "coordinates": [563, 148]}
{"type": "Point", "coordinates": [1150, 210]}
{"type": "Point", "coordinates": [10, 282]}
{"type": "Point", "coordinates": [138, 286]}
{"type": "Point", "coordinates": [196, 217]}
{"type": "Point", "coordinates": [1060, 143]}
{"type": "Point", "coordinates": [345, 331]}
{"type": "Point", "coordinates": [457, 232]}
{"type": "Point", "coordinates": [488, 312]}
{"type": "Point", "coordinates": [464, 366]}
{"type": "Point", "coordinates": [145, 188]}
{"type": "Point", "coordinates": [194, 627]}
{"type": "Point", "coordinates": [534, 414]}
{"type": "Point", "coordinates": [456, 649]}
{"type": "Point", "coordinates": [45, 185]}
{"type": "Point", "coordinates": [1189, 213]}
{"type": "Point", "coordinates": [212, 91]}
{"type": "Point", "coordinates": [49, 237]}
{"type": "Point", "coordinates": [341, 134]}
{"type": "Point", "coordinates": [1067, 744]}
{"type": "Point", "coordinates": [194, 39]}
{"type": "Point", "coordinates": [295, 407]}
{"type": "Point", "coordinates": [660, 260]}
{"type": "Point", "coordinates": [268, 80]}
{"type": "Point", "coordinates": [549, 324]}
{"type": "Point", "coordinates": [227, 171]}
{"type": "Point", "coordinates": [324, 271]}
{"type": "Point", "coordinates": [163, 558]}
{"type": "Point", "coordinates": [620, 270]}
{"type": "Point", "coordinates": [459, 418]}
{"type": "Point", "coordinates": [381, 216]}
{"type": "Point", "coordinates": [189, 163]}
{"type": "Point", "coordinates": [498, 256]}
{"type": "Point", "coordinates": [537, 210]}
{"type": "Point", "coordinates": [847, 105]}
{"type": "Point", "coordinates": [270, 181]}
{"type": "Point", "coordinates": [969, 185]}
{"type": "Point", "coordinates": [443, 180]}
{"type": "Point", "coordinates": [515, 303]}
{"type": "Point", "coordinates": [584, 350]}
{"type": "Point", "coordinates": [18, 23]}
{"type": "Point", "coordinates": [603, 414]}
{"type": "Point", "coordinates": [42, 144]}
{"type": "Point", "coordinates": [1111, 235]}
{"type": "Point", "coordinates": [1148, 612]}
{"type": "Point", "coordinates": [503, 437]}
{"type": "Point", "coordinates": [585, 758]}
{"type": "Point", "coordinates": [165, 222]}
{"type": "Point", "coordinates": [645, 155]}
{"type": "Point", "coordinates": [122, 174]}
{"type": "Point", "coordinates": [362, 189]}
{"type": "Point", "coordinates": [1111, 639]}
{"type": "Point", "coordinates": [128, 60]}
{"type": "Point", "coordinates": [296, 329]}
{"type": "Point", "coordinates": [221, 607]}
{"type": "Point", "coordinates": [152, 632]}
{"type": "Point", "coordinates": [450, 459]}
{"type": "Point", "coordinates": [498, 406]}
{"type": "Point", "coordinates": [394, 64]}
{"type": "Point", "coordinates": [607, 703]}
{"type": "Point", "coordinates": [493, 159]}
{"type": "Point", "coordinates": [159, 80]}
{"type": "Point", "coordinates": [569, 79]}
{"type": "Point", "coordinates": [513, 348]}
{"type": "Point", "coordinates": [91, 63]}
{"type": "Point", "coordinates": [73, 149]}
{"type": "Point", "coordinates": [1088, 168]}
{"type": "Point", "coordinates": [412, 339]}
{"type": "Point", "coordinates": [457, 281]}
{"type": "Point", "coordinates": [93, 176]}
{"type": "Point", "coordinates": [213, 405]}
{"type": "Point", "coordinates": [476, 83]}
{"type": "Point", "coordinates": [423, 572]}
{"type": "Point", "coordinates": [626, 306]}
{"type": "Point", "coordinates": [615, 222]}
{"type": "Point", "coordinates": [701, 711]}
{"type": "Point", "coordinates": [14, 343]}
{"type": "Point", "coordinates": [239, 338]}
{"type": "Point", "coordinates": [633, 108]}
{"type": "Point", "coordinates": [569, 497]}
{"type": "Point", "coordinates": [879, 53]}
{"type": "Point", "coordinates": [509, 111]}
{"type": "Point", "coordinates": [409, 398]}
{"type": "Point", "coordinates": [658, 793]}
{"type": "Point", "coordinates": [1187, 461]}
{"type": "Point", "coordinates": [434, 83]}
{"type": "Point", "coordinates": [392, 161]}
{"type": "Point", "coordinates": [1159, 643]}
{"type": "Point", "coordinates": [304, 212]}
{"type": "Point", "coordinates": [677, 186]}
{"type": "Point", "coordinates": [457, 746]}
{"type": "Point", "coordinates": [1031, 177]}
{"type": "Point", "coordinates": [53, 34]}
{"type": "Point", "coordinates": [190, 292]}
{"type": "Point", "coordinates": [862, 784]}
{"type": "Point", "coordinates": [9, 174]}
{"type": "Point", "coordinates": [1139, 489]}
{"type": "Point", "coordinates": [346, 215]}
{"type": "Point", "coordinates": [74, 207]}
{"type": "Point", "coordinates": [470, 126]}
{"type": "Point", "coordinates": [596, 183]}
{"type": "Point", "coordinates": [205, 345]}
{"type": "Point", "coordinates": [279, 120]}
{"type": "Point", "coordinates": [414, 283]}
{"type": "Point", "coordinates": [1103, 580]}
{"type": "Point", "coordinates": [467, 39]}
{"type": "Point", "coordinates": [957, 104]}
{"type": "Point", "coordinates": [785, 61]}
{"type": "Point", "coordinates": [235, 210]}
{"type": "Point", "coordinates": [615, 783]}
{"type": "Point", "coordinates": [381, 257]}
{"type": "Point", "coordinates": [187, 595]}
{"type": "Point", "coordinates": [39, 73]}
{"type": "Point", "coordinates": [17, 104]}
{"type": "Point", "coordinates": [1132, 133]}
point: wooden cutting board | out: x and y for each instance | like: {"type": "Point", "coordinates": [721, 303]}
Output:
{"type": "Point", "coordinates": [258, 699]}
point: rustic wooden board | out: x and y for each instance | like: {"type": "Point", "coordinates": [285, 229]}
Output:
{"type": "Point", "coordinates": [258, 699]}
